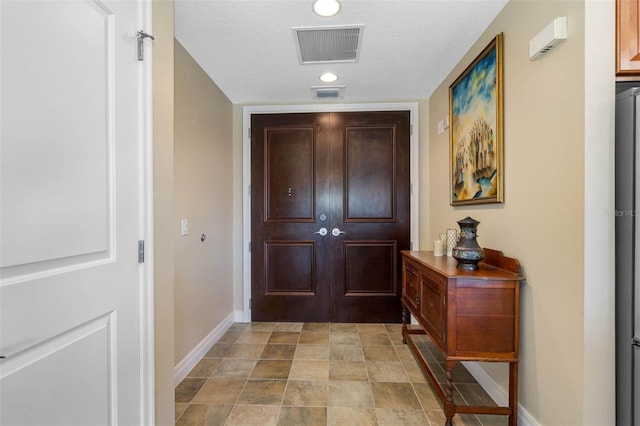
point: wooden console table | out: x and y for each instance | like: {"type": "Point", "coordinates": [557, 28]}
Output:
{"type": "Point", "coordinates": [469, 315]}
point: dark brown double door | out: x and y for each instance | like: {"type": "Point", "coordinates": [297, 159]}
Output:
{"type": "Point", "coordinates": [329, 215]}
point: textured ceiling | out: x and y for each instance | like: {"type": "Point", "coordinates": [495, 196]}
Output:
{"type": "Point", "coordinates": [248, 48]}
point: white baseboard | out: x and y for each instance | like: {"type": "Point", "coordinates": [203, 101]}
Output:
{"type": "Point", "coordinates": [181, 370]}
{"type": "Point", "coordinates": [238, 316]}
{"type": "Point", "coordinates": [498, 393]}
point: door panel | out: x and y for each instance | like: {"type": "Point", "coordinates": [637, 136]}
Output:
{"type": "Point", "coordinates": [289, 184]}
{"type": "Point", "coordinates": [74, 199]}
{"type": "Point", "coordinates": [348, 173]}
{"type": "Point", "coordinates": [53, 371]}
{"type": "Point", "coordinates": [70, 145]}
{"type": "Point", "coordinates": [369, 163]}
{"type": "Point", "coordinates": [289, 268]}
{"type": "Point", "coordinates": [290, 263]}
{"type": "Point", "coordinates": [370, 203]}
{"type": "Point", "coordinates": [375, 260]}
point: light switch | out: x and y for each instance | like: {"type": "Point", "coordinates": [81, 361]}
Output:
{"type": "Point", "coordinates": [184, 226]}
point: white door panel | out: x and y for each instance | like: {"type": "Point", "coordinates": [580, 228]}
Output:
{"type": "Point", "coordinates": [70, 191]}
{"type": "Point", "coordinates": [71, 375]}
{"type": "Point", "coordinates": [57, 107]}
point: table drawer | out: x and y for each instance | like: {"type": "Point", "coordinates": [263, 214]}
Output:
{"type": "Point", "coordinates": [433, 305]}
{"type": "Point", "coordinates": [410, 288]}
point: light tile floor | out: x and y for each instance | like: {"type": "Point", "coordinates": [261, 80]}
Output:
{"type": "Point", "coordinates": [305, 374]}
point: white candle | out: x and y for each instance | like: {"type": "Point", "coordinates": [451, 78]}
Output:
{"type": "Point", "coordinates": [438, 248]}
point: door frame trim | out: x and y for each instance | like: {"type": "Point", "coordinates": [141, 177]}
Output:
{"type": "Point", "coordinates": [247, 111]}
{"type": "Point", "coordinates": [145, 272]}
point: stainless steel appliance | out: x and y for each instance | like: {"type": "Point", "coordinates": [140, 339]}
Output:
{"type": "Point", "coordinates": [627, 235]}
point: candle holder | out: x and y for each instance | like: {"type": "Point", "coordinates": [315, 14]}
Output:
{"type": "Point", "coordinates": [452, 239]}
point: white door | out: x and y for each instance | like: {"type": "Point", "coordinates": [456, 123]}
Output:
{"type": "Point", "coordinates": [71, 153]}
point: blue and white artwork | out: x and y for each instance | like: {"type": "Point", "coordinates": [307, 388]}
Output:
{"type": "Point", "coordinates": [475, 147]}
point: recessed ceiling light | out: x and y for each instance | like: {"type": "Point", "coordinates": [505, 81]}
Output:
{"type": "Point", "coordinates": [326, 7]}
{"type": "Point", "coordinates": [328, 77]}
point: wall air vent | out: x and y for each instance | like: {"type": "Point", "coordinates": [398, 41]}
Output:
{"type": "Point", "coordinates": [327, 92]}
{"type": "Point", "coordinates": [328, 44]}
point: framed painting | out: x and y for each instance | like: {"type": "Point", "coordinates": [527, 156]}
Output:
{"type": "Point", "coordinates": [475, 108]}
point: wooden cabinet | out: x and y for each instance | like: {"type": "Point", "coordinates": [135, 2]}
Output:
{"type": "Point", "coordinates": [627, 39]}
{"type": "Point", "coordinates": [469, 315]}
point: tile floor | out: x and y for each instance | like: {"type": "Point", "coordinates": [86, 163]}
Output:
{"type": "Point", "coordinates": [304, 374]}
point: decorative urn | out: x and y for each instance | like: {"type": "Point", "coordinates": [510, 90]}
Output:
{"type": "Point", "coordinates": [467, 252]}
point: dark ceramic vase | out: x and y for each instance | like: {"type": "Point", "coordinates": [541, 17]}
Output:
{"type": "Point", "coordinates": [467, 252]}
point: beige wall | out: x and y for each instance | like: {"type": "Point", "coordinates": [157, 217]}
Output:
{"type": "Point", "coordinates": [193, 180]}
{"type": "Point", "coordinates": [238, 190]}
{"type": "Point", "coordinates": [203, 194]}
{"type": "Point", "coordinates": [162, 11]}
{"type": "Point", "coordinates": [599, 290]}
{"type": "Point", "coordinates": [542, 220]}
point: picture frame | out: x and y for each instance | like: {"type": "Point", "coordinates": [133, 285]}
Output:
{"type": "Point", "coordinates": [476, 130]}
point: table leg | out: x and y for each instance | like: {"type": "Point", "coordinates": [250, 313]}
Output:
{"type": "Point", "coordinates": [449, 406]}
{"type": "Point", "coordinates": [513, 393]}
{"type": "Point", "coordinates": [404, 323]}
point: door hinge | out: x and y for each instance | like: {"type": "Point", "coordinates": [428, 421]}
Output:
{"type": "Point", "coordinates": [411, 129]}
{"type": "Point", "coordinates": [249, 303]}
{"type": "Point", "coordinates": [141, 251]}
{"type": "Point", "coordinates": [249, 131]}
{"type": "Point", "coordinates": [410, 245]}
{"type": "Point", "coordinates": [249, 246]}
{"type": "Point", "coordinates": [249, 190]}
{"type": "Point", "coordinates": [141, 36]}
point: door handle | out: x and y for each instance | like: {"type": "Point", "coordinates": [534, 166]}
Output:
{"type": "Point", "coordinates": [322, 232]}
{"type": "Point", "coordinates": [336, 231]}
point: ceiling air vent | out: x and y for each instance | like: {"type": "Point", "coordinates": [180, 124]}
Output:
{"type": "Point", "coordinates": [328, 44]}
{"type": "Point", "coordinates": [327, 92]}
